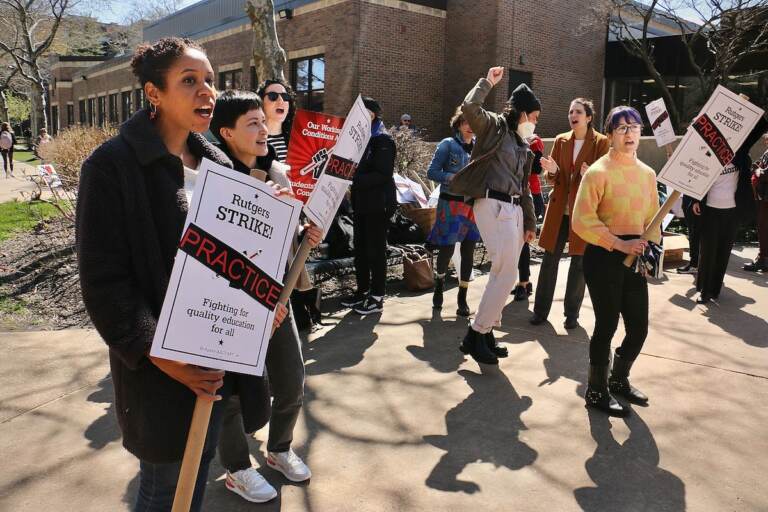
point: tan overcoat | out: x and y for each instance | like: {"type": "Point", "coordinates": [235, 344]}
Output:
{"type": "Point", "coordinates": [566, 184]}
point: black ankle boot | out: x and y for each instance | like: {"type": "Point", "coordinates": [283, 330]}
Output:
{"type": "Point", "coordinates": [463, 307]}
{"type": "Point", "coordinates": [475, 345]}
{"type": "Point", "coordinates": [437, 296]}
{"type": "Point", "coordinates": [598, 396]}
{"type": "Point", "coordinates": [619, 384]}
{"type": "Point", "coordinates": [494, 346]}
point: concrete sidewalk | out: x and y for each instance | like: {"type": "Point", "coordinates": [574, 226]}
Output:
{"type": "Point", "coordinates": [395, 418]}
{"type": "Point", "coordinates": [11, 188]}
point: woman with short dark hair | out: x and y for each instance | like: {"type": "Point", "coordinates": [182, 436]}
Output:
{"type": "Point", "coordinates": [616, 201]}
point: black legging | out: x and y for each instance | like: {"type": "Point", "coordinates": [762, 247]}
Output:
{"type": "Point", "coordinates": [615, 291]}
{"type": "Point", "coordinates": [467, 254]}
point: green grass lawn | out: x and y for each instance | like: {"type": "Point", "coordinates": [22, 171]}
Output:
{"type": "Point", "coordinates": [26, 157]}
{"type": "Point", "coordinates": [21, 216]}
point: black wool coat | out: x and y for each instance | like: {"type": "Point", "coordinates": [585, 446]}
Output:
{"type": "Point", "coordinates": [131, 211]}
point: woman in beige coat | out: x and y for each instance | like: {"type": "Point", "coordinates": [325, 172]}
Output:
{"type": "Point", "coordinates": [572, 153]}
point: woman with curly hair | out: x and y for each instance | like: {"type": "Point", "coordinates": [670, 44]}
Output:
{"type": "Point", "coordinates": [133, 200]}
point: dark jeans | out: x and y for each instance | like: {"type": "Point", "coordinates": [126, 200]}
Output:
{"type": "Point", "coordinates": [693, 222]}
{"type": "Point", "coordinates": [615, 290]}
{"type": "Point", "coordinates": [7, 159]}
{"type": "Point", "coordinates": [545, 288]}
{"type": "Point", "coordinates": [370, 237]}
{"type": "Point", "coordinates": [285, 370]}
{"type": "Point", "coordinates": [157, 482]}
{"type": "Point", "coordinates": [718, 233]}
{"type": "Point", "coordinates": [524, 265]}
{"type": "Point", "coordinates": [444, 254]}
{"type": "Point", "coordinates": [538, 205]}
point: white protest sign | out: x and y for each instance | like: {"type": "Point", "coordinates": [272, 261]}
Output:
{"type": "Point", "coordinates": [340, 167]}
{"type": "Point", "coordinates": [225, 282]}
{"type": "Point", "coordinates": [660, 122]}
{"type": "Point", "coordinates": [710, 143]}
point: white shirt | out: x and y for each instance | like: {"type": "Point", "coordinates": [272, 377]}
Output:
{"type": "Point", "coordinates": [577, 145]}
{"type": "Point", "coordinates": [190, 178]}
{"type": "Point", "coordinates": [722, 195]}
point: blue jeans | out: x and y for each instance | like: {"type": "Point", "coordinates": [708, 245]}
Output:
{"type": "Point", "coordinates": [157, 482]}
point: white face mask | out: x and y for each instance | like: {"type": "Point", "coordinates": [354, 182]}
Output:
{"type": "Point", "coordinates": [525, 129]}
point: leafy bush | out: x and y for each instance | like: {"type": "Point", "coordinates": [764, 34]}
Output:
{"type": "Point", "coordinates": [71, 147]}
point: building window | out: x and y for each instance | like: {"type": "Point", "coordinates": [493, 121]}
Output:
{"type": "Point", "coordinates": [125, 102]}
{"type": "Point", "coordinates": [81, 108]}
{"type": "Point", "coordinates": [70, 115]}
{"type": "Point", "coordinates": [54, 120]}
{"type": "Point", "coordinates": [102, 112]}
{"type": "Point", "coordinates": [91, 112]}
{"type": "Point", "coordinates": [308, 80]}
{"type": "Point", "coordinates": [138, 100]}
{"type": "Point", "coordinates": [231, 79]}
{"type": "Point", "coordinates": [254, 82]}
{"type": "Point", "coordinates": [519, 77]}
{"type": "Point", "coordinates": [113, 112]}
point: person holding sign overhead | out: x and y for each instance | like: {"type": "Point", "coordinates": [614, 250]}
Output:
{"type": "Point", "coordinates": [616, 200]}
{"type": "Point", "coordinates": [497, 179]}
{"type": "Point", "coordinates": [132, 204]}
{"type": "Point", "coordinates": [572, 153]}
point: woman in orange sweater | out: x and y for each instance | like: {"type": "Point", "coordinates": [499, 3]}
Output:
{"type": "Point", "coordinates": [616, 201]}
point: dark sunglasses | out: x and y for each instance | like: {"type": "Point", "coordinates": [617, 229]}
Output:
{"type": "Point", "coordinates": [274, 95]}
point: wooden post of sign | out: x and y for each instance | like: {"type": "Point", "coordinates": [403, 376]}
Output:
{"type": "Point", "coordinates": [190, 464]}
{"type": "Point", "coordinates": [201, 417]}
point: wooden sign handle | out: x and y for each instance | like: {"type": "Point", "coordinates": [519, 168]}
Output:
{"type": "Point", "coordinates": [190, 465]}
{"type": "Point", "coordinates": [655, 224]}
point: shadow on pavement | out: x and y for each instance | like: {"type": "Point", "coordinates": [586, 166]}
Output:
{"type": "Point", "coordinates": [484, 427]}
{"type": "Point", "coordinates": [104, 429]}
{"type": "Point", "coordinates": [627, 475]}
{"type": "Point", "coordinates": [441, 342]}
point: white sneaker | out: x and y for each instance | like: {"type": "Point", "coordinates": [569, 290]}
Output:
{"type": "Point", "coordinates": [249, 484]}
{"type": "Point", "coordinates": [290, 465]}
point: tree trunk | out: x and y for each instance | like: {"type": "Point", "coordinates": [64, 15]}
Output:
{"type": "Point", "coordinates": [39, 114]}
{"type": "Point", "coordinates": [268, 55]}
{"type": "Point", "coordinates": [4, 111]}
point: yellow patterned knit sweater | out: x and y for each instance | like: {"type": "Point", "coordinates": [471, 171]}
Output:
{"type": "Point", "coordinates": [617, 196]}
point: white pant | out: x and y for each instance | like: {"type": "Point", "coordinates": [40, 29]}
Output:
{"type": "Point", "coordinates": [501, 226]}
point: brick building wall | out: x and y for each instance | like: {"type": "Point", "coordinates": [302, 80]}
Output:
{"type": "Point", "coordinates": [412, 58]}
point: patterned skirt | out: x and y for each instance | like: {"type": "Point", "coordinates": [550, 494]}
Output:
{"type": "Point", "coordinates": [454, 222]}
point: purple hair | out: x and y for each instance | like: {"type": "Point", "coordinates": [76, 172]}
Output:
{"type": "Point", "coordinates": [622, 112]}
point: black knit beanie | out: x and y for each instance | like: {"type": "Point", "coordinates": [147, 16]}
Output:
{"type": "Point", "coordinates": [372, 105]}
{"type": "Point", "coordinates": [523, 99]}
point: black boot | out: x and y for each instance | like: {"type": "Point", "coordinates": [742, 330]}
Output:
{"type": "Point", "coordinates": [437, 296]}
{"type": "Point", "coordinates": [474, 344]}
{"type": "Point", "coordinates": [463, 307]}
{"type": "Point", "coordinates": [494, 346]}
{"type": "Point", "coordinates": [598, 396]}
{"type": "Point", "coordinates": [619, 384]}
{"type": "Point", "coordinates": [311, 300]}
{"type": "Point", "coordinates": [759, 265]}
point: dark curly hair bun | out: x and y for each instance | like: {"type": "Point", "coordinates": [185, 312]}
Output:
{"type": "Point", "coordinates": [151, 61]}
